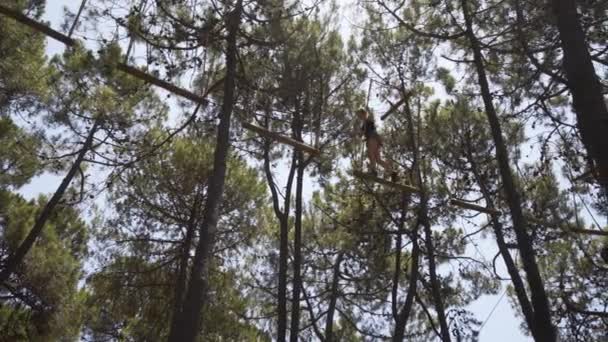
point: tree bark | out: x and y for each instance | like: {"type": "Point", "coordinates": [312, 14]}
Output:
{"type": "Point", "coordinates": [17, 258]}
{"type": "Point", "coordinates": [540, 302]}
{"type": "Point", "coordinates": [190, 316]}
{"type": "Point", "coordinates": [589, 103]}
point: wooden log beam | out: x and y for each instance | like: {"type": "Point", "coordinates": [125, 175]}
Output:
{"type": "Point", "coordinates": [593, 232]}
{"type": "Point", "coordinates": [172, 88]}
{"type": "Point", "coordinates": [137, 73]}
{"type": "Point", "coordinates": [392, 109]}
{"type": "Point", "coordinates": [23, 19]}
{"type": "Point", "coordinates": [475, 207]}
{"type": "Point", "coordinates": [402, 187]}
{"type": "Point", "coordinates": [281, 138]}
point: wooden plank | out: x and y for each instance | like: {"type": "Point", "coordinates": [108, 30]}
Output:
{"type": "Point", "coordinates": [281, 138]}
{"type": "Point", "coordinates": [475, 207]}
{"type": "Point", "coordinates": [402, 187]}
{"type": "Point", "coordinates": [137, 73]}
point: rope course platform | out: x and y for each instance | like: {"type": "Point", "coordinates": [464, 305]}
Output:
{"type": "Point", "coordinates": [411, 189]}
{"type": "Point", "coordinates": [281, 138]}
{"type": "Point", "coordinates": [370, 177]}
{"type": "Point", "coordinates": [475, 207]}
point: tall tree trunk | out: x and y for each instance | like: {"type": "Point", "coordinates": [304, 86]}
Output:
{"type": "Point", "coordinates": [589, 103]}
{"type": "Point", "coordinates": [423, 219]}
{"type": "Point", "coordinates": [397, 272]}
{"type": "Point", "coordinates": [277, 9]}
{"type": "Point", "coordinates": [435, 284]}
{"type": "Point", "coordinates": [283, 218]}
{"type": "Point", "coordinates": [182, 275]}
{"type": "Point", "coordinates": [403, 316]}
{"type": "Point", "coordinates": [297, 243]}
{"type": "Point", "coordinates": [297, 251]}
{"type": "Point", "coordinates": [540, 302]}
{"type": "Point", "coordinates": [190, 316]}
{"type": "Point", "coordinates": [17, 257]}
{"type": "Point", "coordinates": [282, 290]}
{"type": "Point", "coordinates": [333, 299]}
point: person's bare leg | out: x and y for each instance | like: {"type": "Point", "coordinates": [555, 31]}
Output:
{"type": "Point", "coordinates": [386, 165]}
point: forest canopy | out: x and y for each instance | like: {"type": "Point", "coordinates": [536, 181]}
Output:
{"type": "Point", "coordinates": [248, 170]}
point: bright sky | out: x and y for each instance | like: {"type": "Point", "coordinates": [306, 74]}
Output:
{"type": "Point", "coordinates": [502, 325]}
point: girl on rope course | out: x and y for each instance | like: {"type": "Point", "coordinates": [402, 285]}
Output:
{"type": "Point", "coordinates": [374, 144]}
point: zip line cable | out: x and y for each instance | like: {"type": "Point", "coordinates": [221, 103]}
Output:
{"type": "Point", "coordinates": [492, 311]}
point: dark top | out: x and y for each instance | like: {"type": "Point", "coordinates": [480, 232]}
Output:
{"type": "Point", "coordinates": [369, 129]}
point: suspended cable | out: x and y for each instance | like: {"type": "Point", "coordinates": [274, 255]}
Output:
{"type": "Point", "coordinates": [493, 309]}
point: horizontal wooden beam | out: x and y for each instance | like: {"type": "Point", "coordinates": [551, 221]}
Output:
{"type": "Point", "coordinates": [281, 138]}
{"type": "Point", "coordinates": [475, 207]}
{"type": "Point", "coordinates": [402, 187]}
{"type": "Point", "coordinates": [137, 73]}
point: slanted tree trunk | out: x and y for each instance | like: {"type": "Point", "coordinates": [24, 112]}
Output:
{"type": "Point", "coordinates": [516, 279]}
{"type": "Point", "coordinates": [188, 326]}
{"type": "Point", "coordinates": [17, 257]}
{"type": "Point", "coordinates": [540, 303]}
{"type": "Point", "coordinates": [589, 103]}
